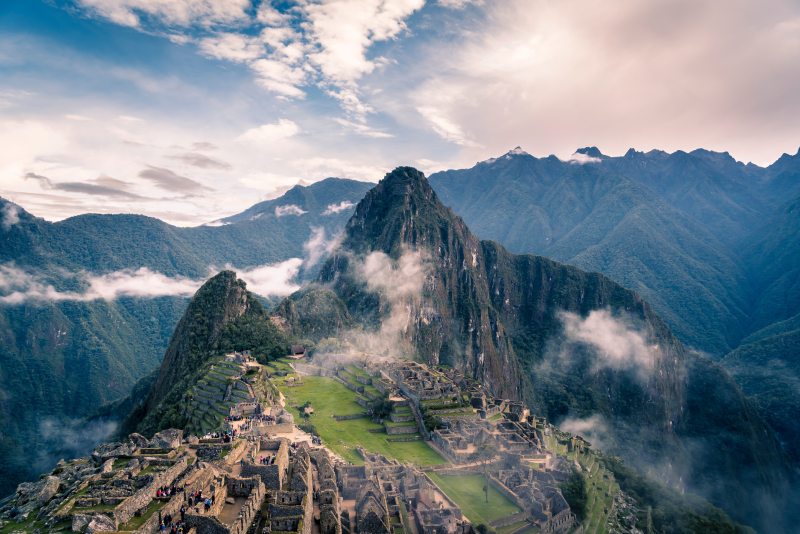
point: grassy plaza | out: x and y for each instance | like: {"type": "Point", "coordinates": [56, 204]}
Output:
{"type": "Point", "coordinates": [328, 397]}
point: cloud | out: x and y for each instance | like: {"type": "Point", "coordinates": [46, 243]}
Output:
{"type": "Point", "coordinates": [272, 280]}
{"type": "Point", "coordinates": [270, 133]}
{"type": "Point", "coordinates": [22, 286]}
{"type": "Point", "coordinates": [77, 118]}
{"type": "Point", "coordinates": [617, 346]}
{"type": "Point", "coordinates": [167, 179]}
{"type": "Point", "coordinates": [289, 209]}
{"type": "Point", "coordinates": [200, 160]}
{"type": "Point", "coordinates": [595, 429]}
{"type": "Point", "coordinates": [445, 128]}
{"type": "Point", "coordinates": [404, 279]}
{"type": "Point", "coordinates": [232, 47]}
{"type": "Point", "coordinates": [457, 4]}
{"type": "Point", "coordinates": [103, 185]}
{"type": "Point", "coordinates": [10, 215]}
{"type": "Point", "coordinates": [581, 158]}
{"type": "Point", "coordinates": [203, 146]}
{"type": "Point", "coordinates": [362, 129]}
{"type": "Point", "coordinates": [64, 438]}
{"type": "Point", "coordinates": [337, 208]}
{"type": "Point", "coordinates": [128, 118]}
{"type": "Point", "coordinates": [317, 246]}
{"type": "Point", "coordinates": [169, 12]}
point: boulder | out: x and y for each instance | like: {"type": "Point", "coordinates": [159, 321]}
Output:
{"type": "Point", "coordinates": [79, 521]}
{"type": "Point", "coordinates": [101, 523]}
{"type": "Point", "coordinates": [230, 500]}
{"type": "Point", "coordinates": [42, 492]}
{"type": "Point", "coordinates": [192, 439]}
{"type": "Point", "coordinates": [107, 466]}
{"type": "Point", "coordinates": [25, 488]}
{"type": "Point", "coordinates": [167, 439]}
{"type": "Point", "coordinates": [133, 463]}
{"type": "Point", "coordinates": [139, 440]}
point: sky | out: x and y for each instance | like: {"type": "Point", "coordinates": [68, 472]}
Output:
{"type": "Point", "coordinates": [192, 110]}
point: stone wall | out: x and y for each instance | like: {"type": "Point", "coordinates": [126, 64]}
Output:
{"type": "Point", "coordinates": [465, 417]}
{"type": "Point", "coordinates": [251, 507]}
{"type": "Point", "coordinates": [153, 524]}
{"type": "Point", "coordinates": [366, 380]}
{"type": "Point", "coordinates": [414, 438]}
{"type": "Point", "coordinates": [400, 429]}
{"type": "Point", "coordinates": [353, 416]}
{"type": "Point", "coordinates": [313, 370]}
{"type": "Point", "coordinates": [126, 509]}
{"type": "Point", "coordinates": [273, 476]}
{"type": "Point", "coordinates": [364, 403]}
{"type": "Point", "coordinates": [516, 517]}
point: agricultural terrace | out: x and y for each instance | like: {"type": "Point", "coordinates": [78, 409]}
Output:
{"type": "Point", "coordinates": [328, 397]}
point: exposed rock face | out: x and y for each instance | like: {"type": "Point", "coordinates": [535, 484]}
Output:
{"type": "Point", "coordinates": [100, 523]}
{"type": "Point", "coordinates": [38, 494]}
{"type": "Point", "coordinates": [139, 440]}
{"type": "Point", "coordinates": [79, 521]}
{"type": "Point", "coordinates": [167, 439]}
{"type": "Point", "coordinates": [192, 439]}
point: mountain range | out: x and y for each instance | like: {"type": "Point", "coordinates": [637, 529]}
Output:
{"type": "Point", "coordinates": [561, 339]}
{"type": "Point", "coordinates": [708, 242]}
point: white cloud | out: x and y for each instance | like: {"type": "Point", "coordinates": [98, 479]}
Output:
{"type": "Point", "coordinates": [337, 208]}
{"type": "Point", "coordinates": [457, 4]}
{"type": "Point", "coordinates": [445, 128]}
{"type": "Point", "coordinates": [270, 133]}
{"type": "Point", "coordinates": [272, 280]}
{"type": "Point", "coordinates": [289, 209]}
{"type": "Point", "coordinates": [169, 12]}
{"type": "Point", "coordinates": [232, 47]}
{"type": "Point", "coordinates": [22, 286]}
{"type": "Point", "coordinates": [362, 129]}
{"type": "Point", "coordinates": [580, 158]}
{"type": "Point", "coordinates": [128, 118]}
{"type": "Point", "coordinates": [317, 246]}
{"type": "Point", "coordinates": [404, 279]}
{"type": "Point", "coordinates": [616, 344]}
{"type": "Point", "coordinates": [77, 118]}
{"type": "Point", "coordinates": [10, 216]}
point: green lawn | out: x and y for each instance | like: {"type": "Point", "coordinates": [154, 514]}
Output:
{"type": "Point", "coordinates": [511, 528]}
{"type": "Point", "coordinates": [353, 370]}
{"type": "Point", "coordinates": [467, 492]}
{"type": "Point", "coordinates": [329, 397]}
{"type": "Point", "coordinates": [495, 417]}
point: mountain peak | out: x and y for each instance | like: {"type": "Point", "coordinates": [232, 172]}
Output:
{"type": "Point", "coordinates": [591, 151]}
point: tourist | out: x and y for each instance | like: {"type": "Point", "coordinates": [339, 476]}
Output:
{"type": "Point", "coordinates": [183, 513]}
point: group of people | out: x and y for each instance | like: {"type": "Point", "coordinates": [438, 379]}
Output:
{"type": "Point", "coordinates": [266, 460]}
{"type": "Point", "coordinates": [165, 491]}
{"type": "Point", "coordinates": [173, 528]}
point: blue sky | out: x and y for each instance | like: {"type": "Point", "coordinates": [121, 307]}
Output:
{"type": "Point", "coordinates": [190, 110]}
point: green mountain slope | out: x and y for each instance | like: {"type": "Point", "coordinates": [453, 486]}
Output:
{"type": "Point", "coordinates": [62, 360]}
{"type": "Point", "coordinates": [602, 221]}
{"type": "Point", "coordinates": [774, 262]}
{"type": "Point", "coordinates": [711, 187]}
{"type": "Point", "coordinates": [768, 371]}
{"type": "Point", "coordinates": [221, 317]}
{"type": "Point", "coordinates": [499, 317]}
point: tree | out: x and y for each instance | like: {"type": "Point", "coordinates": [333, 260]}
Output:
{"type": "Point", "coordinates": [484, 456]}
{"type": "Point", "coordinates": [382, 407]}
{"type": "Point", "coordinates": [482, 528]}
{"type": "Point", "coordinates": [576, 493]}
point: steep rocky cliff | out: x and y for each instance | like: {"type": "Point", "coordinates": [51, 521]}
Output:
{"type": "Point", "coordinates": [420, 283]}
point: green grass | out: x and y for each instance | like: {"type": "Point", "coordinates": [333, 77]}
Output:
{"type": "Point", "coordinates": [405, 423]}
{"type": "Point", "coordinates": [13, 525]}
{"type": "Point", "coordinates": [467, 492]}
{"type": "Point", "coordinates": [329, 397]}
{"type": "Point", "coordinates": [495, 417]}
{"type": "Point", "coordinates": [510, 528]}
{"type": "Point", "coordinates": [402, 409]}
{"type": "Point", "coordinates": [135, 522]}
{"type": "Point", "coordinates": [353, 370]}
{"type": "Point", "coordinates": [119, 462]}
{"type": "Point", "coordinates": [96, 507]}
